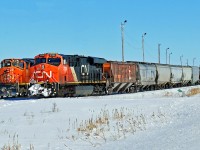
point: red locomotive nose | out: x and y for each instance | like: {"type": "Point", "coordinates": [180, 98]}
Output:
{"type": "Point", "coordinates": [40, 67]}
{"type": "Point", "coordinates": [9, 76]}
{"type": "Point", "coordinates": [41, 73]}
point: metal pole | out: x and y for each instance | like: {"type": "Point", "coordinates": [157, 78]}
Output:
{"type": "Point", "coordinates": [166, 55]}
{"type": "Point", "coordinates": [122, 35]}
{"type": "Point", "coordinates": [143, 45]}
{"type": "Point", "coordinates": [181, 59]}
{"type": "Point", "coordinates": [159, 53]}
{"type": "Point", "coordinates": [169, 57]}
{"type": "Point", "coordinates": [193, 61]}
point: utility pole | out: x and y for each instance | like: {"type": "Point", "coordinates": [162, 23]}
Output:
{"type": "Point", "coordinates": [166, 54]}
{"type": "Point", "coordinates": [122, 34]}
{"type": "Point", "coordinates": [193, 61]}
{"type": "Point", "coordinates": [143, 44]}
{"type": "Point", "coordinates": [169, 57]}
{"type": "Point", "coordinates": [181, 59]}
{"type": "Point", "coordinates": [159, 53]}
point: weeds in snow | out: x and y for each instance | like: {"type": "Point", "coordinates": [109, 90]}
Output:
{"type": "Point", "coordinates": [14, 145]}
{"type": "Point", "coordinates": [55, 108]}
{"type": "Point", "coordinates": [193, 91]}
{"type": "Point", "coordinates": [111, 125]}
{"type": "Point", "coordinates": [31, 147]}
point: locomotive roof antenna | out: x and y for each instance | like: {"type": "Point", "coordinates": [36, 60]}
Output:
{"type": "Point", "coordinates": [166, 54]}
{"type": "Point", "coordinates": [143, 35]}
{"type": "Point", "coordinates": [193, 61]}
{"type": "Point", "coordinates": [122, 34]}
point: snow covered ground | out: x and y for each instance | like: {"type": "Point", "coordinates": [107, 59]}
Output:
{"type": "Point", "coordinates": [167, 119]}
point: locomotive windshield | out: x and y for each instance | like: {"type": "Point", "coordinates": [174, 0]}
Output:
{"type": "Point", "coordinates": [54, 61]}
{"type": "Point", "coordinates": [14, 63]}
{"type": "Point", "coordinates": [6, 63]}
{"type": "Point", "coordinates": [40, 60]}
{"type": "Point", "coordinates": [17, 63]}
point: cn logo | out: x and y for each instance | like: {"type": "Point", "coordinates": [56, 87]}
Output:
{"type": "Point", "coordinates": [41, 74]}
{"type": "Point", "coordinates": [84, 70]}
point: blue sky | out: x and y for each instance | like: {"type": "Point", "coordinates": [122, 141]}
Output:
{"type": "Point", "coordinates": [92, 28]}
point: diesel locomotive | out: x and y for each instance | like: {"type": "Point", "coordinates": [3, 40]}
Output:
{"type": "Point", "coordinates": [66, 75]}
{"type": "Point", "coordinates": [14, 76]}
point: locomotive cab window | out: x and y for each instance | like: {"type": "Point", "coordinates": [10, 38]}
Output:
{"type": "Point", "coordinates": [17, 63]}
{"type": "Point", "coordinates": [2, 64]}
{"type": "Point", "coordinates": [27, 65]}
{"type": "Point", "coordinates": [40, 60]}
{"type": "Point", "coordinates": [54, 61]}
{"type": "Point", "coordinates": [6, 63]}
{"type": "Point", "coordinates": [21, 64]}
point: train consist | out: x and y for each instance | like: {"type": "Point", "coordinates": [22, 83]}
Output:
{"type": "Point", "coordinates": [53, 74]}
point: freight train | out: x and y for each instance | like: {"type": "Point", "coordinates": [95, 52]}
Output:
{"type": "Point", "coordinates": [54, 74]}
{"type": "Point", "coordinates": [74, 75]}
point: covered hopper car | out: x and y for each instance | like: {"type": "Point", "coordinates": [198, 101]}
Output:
{"type": "Point", "coordinates": [195, 75]}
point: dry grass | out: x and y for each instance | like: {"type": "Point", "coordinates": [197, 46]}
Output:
{"type": "Point", "coordinates": [14, 145]}
{"type": "Point", "coordinates": [193, 92]}
{"type": "Point", "coordinates": [168, 94]}
{"type": "Point", "coordinates": [110, 125]}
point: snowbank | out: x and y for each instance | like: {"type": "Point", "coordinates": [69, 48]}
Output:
{"type": "Point", "coordinates": [167, 119]}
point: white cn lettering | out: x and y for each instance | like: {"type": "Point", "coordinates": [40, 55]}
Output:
{"type": "Point", "coordinates": [84, 70]}
{"type": "Point", "coordinates": [42, 74]}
